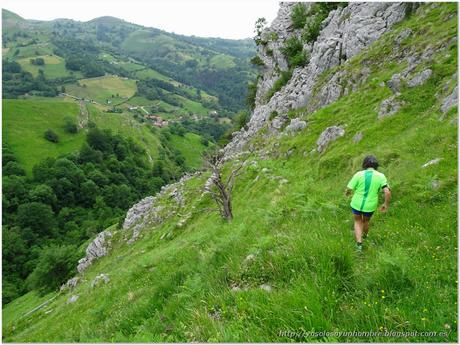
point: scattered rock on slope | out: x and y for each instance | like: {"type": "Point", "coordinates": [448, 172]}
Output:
{"type": "Point", "coordinates": [101, 277]}
{"type": "Point", "coordinates": [389, 106]}
{"type": "Point", "coordinates": [431, 162]}
{"type": "Point", "coordinates": [70, 284]}
{"type": "Point", "coordinates": [420, 78]}
{"type": "Point", "coordinates": [328, 135]}
{"type": "Point", "coordinates": [296, 125]}
{"type": "Point", "coordinates": [99, 247]}
{"type": "Point", "coordinates": [450, 101]}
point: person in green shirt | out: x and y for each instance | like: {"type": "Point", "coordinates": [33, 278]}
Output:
{"type": "Point", "coordinates": [365, 186]}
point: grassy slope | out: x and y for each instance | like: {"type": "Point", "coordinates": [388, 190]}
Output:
{"type": "Point", "coordinates": [25, 121]}
{"type": "Point", "coordinates": [101, 89]}
{"type": "Point", "coordinates": [127, 126]}
{"type": "Point", "coordinates": [175, 283]}
{"type": "Point", "coordinates": [191, 148]}
{"type": "Point", "coordinates": [54, 67]}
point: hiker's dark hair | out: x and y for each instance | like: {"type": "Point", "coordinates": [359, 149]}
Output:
{"type": "Point", "coordinates": [370, 162]}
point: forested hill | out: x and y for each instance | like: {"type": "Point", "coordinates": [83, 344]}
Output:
{"type": "Point", "coordinates": [220, 67]}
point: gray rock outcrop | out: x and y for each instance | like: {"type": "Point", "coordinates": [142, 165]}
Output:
{"type": "Point", "coordinates": [296, 125]}
{"type": "Point", "coordinates": [344, 34]}
{"type": "Point", "coordinates": [328, 135]}
{"type": "Point", "coordinates": [278, 122]}
{"type": "Point", "coordinates": [450, 101]}
{"type": "Point", "coordinates": [70, 284]}
{"type": "Point", "coordinates": [420, 78]}
{"type": "Point", "coordinates": [100, 278]}
{"type": "Point", "coordinates": [97, 248]}
{"type": "Point", "coordinates": [150, 211]}
{"type": "Point", "coordinates": [389, 106]}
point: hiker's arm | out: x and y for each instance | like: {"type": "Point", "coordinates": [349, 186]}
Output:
{"type": "Point", "coordinates": [348, 191]}
{"type": "Point", "coordinates": [386, 204]}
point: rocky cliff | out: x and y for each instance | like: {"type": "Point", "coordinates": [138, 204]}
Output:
{"type": "Point", "coordinates": [344, 33]}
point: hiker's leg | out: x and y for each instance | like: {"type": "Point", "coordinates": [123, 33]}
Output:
{"type": "Point", "coordinates": [366, 225]}
{"type": "Point", "coordinates": [358, 228]}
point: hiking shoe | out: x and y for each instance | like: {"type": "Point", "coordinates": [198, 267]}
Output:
{"type": "Point", "coordinates": [359, 247]}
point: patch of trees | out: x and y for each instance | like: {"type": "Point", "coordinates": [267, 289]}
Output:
{"type": "Point", "coordinates": [37, 61]}
{"type": "Point", "coordinates": [17, 82]}
{"type": "Point", "coordinates": [207, 128]}
{"type": "Point", "coordinates": [80, 55]}
{"type": "Point", "coordinates": [67, 200]}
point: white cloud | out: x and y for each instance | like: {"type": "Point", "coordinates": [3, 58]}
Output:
{"type": "Point", "coordinates": [223, 18]}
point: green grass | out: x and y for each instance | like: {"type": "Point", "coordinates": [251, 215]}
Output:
{"type": "Point", "coordinates": [22, 305]}
{"type": "Point", "coordinates": [127, 126]}
{"type": "Point", "coordinates": [150, 73]}
{"type": "Point", "coordinates": [192, 149]}
{"type": "Point", "coordinates": [25, 121]}
{"type": "Point", "coordinates": [222, 61]}
{"type": "Point", "coordinates": [177, 283]}
{"type": "Point", "coordinates": [30, 51]}
{"type": "Point", "coordinates": [54, 67]}
{"type": "Point", "coordinates": [101, 89]}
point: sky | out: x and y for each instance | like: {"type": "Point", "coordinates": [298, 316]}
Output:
{"type": "Point", "coordinates": [206, 18]}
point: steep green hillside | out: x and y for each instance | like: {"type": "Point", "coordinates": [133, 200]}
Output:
{"type": "Point", "coordinates": [26, 120]}
{"type": "Point", "coordinates": [24, 123]}
{"type": "Point", "coordinates": [287, 262]}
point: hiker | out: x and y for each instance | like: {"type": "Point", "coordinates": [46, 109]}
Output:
{"type": "Point", "coordinates": [365, 185]}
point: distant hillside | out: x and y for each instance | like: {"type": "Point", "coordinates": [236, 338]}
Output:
{"type": "Point", "coordinates": [220, 67]}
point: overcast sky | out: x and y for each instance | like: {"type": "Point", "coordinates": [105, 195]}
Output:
{"type": "Point", "coordinates": [206, 18]}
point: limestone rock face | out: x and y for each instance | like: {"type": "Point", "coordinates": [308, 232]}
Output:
{"type": "Point", "coordinates": [328, 135]}
{"type": "Point", "coordinates": [99, 247]}
{"type": "Point", "coordinates": [137, 212]}
{"type": "Point", "coordinates": [344, 34]}
{"type": "Point", "coordinates": [150, 212]}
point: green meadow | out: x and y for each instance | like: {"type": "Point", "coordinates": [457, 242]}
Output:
{"type": "Point", "coordinates": [103, 88]}
{"type": "Point", "coordinates": [25, 121]}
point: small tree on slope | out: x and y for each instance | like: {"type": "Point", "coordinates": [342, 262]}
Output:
{"type": "Point", "coordinates": [219, 188]}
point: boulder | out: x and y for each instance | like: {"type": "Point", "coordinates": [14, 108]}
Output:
{"type": "Point", "coordinates": [389, 106]}
{"type": "Point", "coordinates": [420, 78]}
{"type": "Point", "coordinates": [296, 125]}
{"type": "Point", "coordinates": [329, 134]}
{"type": "Point", "coordinates": [100, 278]}
{"type": "Point", "coordinates": [358, 136]}
{"type": "Point", "coordinates": [278, 122]}
{"type": "Point", "coordinates": [450, 101]}
{"type": "Point", "coordinates": [395, 83]}
{"type": "Point", "coordinates": [431, 162]}
{"type": "Point", "coordinates": [403, 35]}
